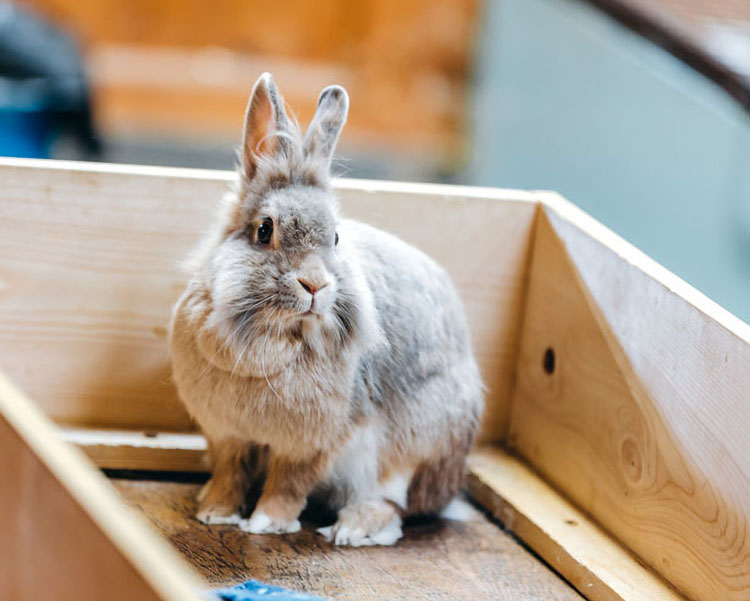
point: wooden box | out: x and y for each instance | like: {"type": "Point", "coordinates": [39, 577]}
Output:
{"type": "Point", "coordinates": [616, 441]}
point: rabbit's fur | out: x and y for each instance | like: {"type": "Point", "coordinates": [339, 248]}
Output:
{"type": "Point", "coordinates": [332, 359]}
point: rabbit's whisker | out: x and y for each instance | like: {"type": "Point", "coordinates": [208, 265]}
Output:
{"type": "Point", "coordinates": [263, 364]}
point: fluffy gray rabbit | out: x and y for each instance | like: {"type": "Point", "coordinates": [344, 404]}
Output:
{"type": "Point", "coordinates": [320, 356]}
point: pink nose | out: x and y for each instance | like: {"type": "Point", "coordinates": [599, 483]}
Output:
{"type": "Point", "coordinates": [310, 286]}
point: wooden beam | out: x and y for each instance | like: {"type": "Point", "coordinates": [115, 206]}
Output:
{"type": "Point", "coordinates": [138, 450]}
{"type": "Point", "coordinates": [592, 561]}
{"type": "Point", "coordinates": [89, 269]}
{"type": "Point", "coordinates": [641, 418]}
{"type": "Point", "coordinates": [66, 534]}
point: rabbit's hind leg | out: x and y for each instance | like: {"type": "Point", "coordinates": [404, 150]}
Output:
{"type": "Point", "coordinates": [369, 493]}
{"type": "Point", "coordinates": [365, 523]}
{"type": "Point", "coordinates": [436, 483]}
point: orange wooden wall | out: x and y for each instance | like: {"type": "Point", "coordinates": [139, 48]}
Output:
{"type": "Point", "coordinates": [185, 68]}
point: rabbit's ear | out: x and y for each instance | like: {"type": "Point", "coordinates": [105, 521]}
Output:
{"type": "Point", "coordinates": [326, 126]}
{"type": "Point", "coordinates": [267, 130]}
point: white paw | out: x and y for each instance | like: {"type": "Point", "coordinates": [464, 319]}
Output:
{"type": "Point", "coordinates": [209, 516]}
{"type": "Point", "coordinates": [327, 532]}
{"type": "Point", "coordinates": [388, 535]}
{"type": "Point", "coordinates": [357, 536]}
{"type": "Point", "coordinates": [260, 523]}
{"type": "Point", "coordinates": [459, 511]}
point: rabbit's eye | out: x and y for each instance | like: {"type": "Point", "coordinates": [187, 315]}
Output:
{"type": "Point", "coordinates": [265, 230]}
{"type": "Point", "coordinates": [336, 239]}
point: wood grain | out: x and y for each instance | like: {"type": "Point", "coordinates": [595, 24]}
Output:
{"type": "Point", "coordinates": [592, 561]}
{"type": "Point", "coordinates": [89, 259]}
{"type": "Point", "coordinates": [437, 560]}
{"type": "Point", "coordinates": [642, 423]}
{"type": "Point", "coordinates": [65, 534]}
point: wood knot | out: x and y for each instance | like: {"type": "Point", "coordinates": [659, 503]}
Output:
{"type": "Point", "coordinates": [548, 361]}
{"type": "Point", "coordinates": [631, 460]}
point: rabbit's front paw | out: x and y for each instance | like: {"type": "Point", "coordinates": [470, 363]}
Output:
{"type": "Point", "coordinates": [261, 523]}
{"type": "Point", "coordinates": [217, 515]}
{"type": "Point", "coordinates": [366, 524]}
{"type": "Point", "coordinates": [218, 504]}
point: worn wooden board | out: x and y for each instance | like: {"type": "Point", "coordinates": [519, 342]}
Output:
{"type": "Point", "coordinates": [437, 560]}
{"type": "Point", "coordinates": [89, 260]}
{"type": "Point", "coordinates": [643, 421]}
{"type": "Point", "coordinates": [597, 565]}
{"type": "Point", "coordinates": [66, 535]}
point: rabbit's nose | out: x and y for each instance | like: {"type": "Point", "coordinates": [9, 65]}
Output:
{"type": "Point", "coordinates": [310, 286]}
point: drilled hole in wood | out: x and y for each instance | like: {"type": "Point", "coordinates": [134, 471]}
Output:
{"type": "Point", "coordinates": [549, 360]}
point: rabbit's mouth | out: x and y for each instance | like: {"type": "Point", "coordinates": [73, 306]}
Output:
{"type": "Point", "coordinates": [319, 305]}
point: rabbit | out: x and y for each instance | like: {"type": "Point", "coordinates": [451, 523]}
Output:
{"type": "Point", "coordinates": [321, 357]}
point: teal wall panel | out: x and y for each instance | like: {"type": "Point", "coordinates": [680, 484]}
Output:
{"type": "Point", "coordinates": [568, 99]}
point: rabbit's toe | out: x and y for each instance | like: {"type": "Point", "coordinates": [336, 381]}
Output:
{"type": "Point", "coordinates": [261, 523]}
{"type": "Point", "coordinates": [217, 515]}
{"type": "Point", "coordinates": [373, 523]}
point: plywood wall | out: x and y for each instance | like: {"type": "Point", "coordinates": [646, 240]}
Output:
{"type": "Point", "coordinates": [89, 269]}
{"type": "Point", "coordinates": [66, 535]}
{"type": "Point", "coordinates": [641, 418]}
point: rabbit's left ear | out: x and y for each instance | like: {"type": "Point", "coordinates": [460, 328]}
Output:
{"type": "Point", "coordinates": [267, 127]}
{"type": "Point", "coordinates": [326, 126]}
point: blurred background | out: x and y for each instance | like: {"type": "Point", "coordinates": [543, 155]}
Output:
{"type": "Point", "coordinates": [636, 110]}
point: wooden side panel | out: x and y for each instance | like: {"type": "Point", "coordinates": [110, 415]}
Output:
{"type": "Point", "coordinates": [64, 533]}
{"type": "Point", "coordinates": [41, 525]}
{"type": "Point", "coordinates": [641, 419]}
{"type": "Point", "coordinates": [88, 271]}
{"type": "Point", "coordinates": [89, 260]}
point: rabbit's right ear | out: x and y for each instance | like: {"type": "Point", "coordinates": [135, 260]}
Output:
{"type": "Point", "coordinates": [326, 126]}
{"type": "Point", "coordinates": [266, 125]}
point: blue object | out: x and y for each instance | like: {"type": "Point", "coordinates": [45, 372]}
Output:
{"type": "Point", "coordinates": [253, 590]}
{"type": "Point", "coordinates": [24, 133]}
{"type": "Point", "coordinates": [44, 91]}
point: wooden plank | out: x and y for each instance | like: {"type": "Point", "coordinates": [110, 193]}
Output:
{"type": "Point", "coordinates": [642, 422]}
{"type": "Point", "coordinates": [138, 450]}
{"type": "Point", "coordinates": [65, 533]}
{"type": "Point", "coordinates": [89, 258]}
{"type": "Point", "coordinates": [436, 560]}
{"type": "Point", "coordinates": [592, 561]}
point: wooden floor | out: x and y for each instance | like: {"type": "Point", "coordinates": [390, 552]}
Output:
{"type": "Point", "coordinates": [473, 560]}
